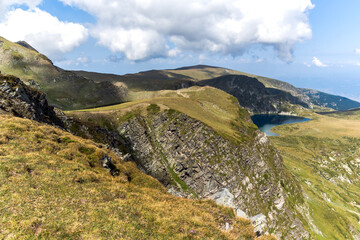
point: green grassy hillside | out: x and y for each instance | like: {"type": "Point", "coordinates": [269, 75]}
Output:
{"type": "Point", "coordinates": [209, 105]}
{"type": "Point", "coordinates": [324, 156]}
{"type": "Point", "coordinates": [222, 113]}
{"type": "Point", "coordinates": [168, 79]}
{"type": "Point", "coordinates": [63, 88]}
{"type": "Point", "coordinates": [52, 186]}
{"type": "Point", "coordinates": [155, 80]}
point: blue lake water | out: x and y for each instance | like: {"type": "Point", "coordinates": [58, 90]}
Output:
{"type": "Point", "coordinates": [266, 122]}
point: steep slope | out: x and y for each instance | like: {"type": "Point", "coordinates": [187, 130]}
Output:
{"type": "Point", "coordinates": [253, 95]}
{"type": "Point", "coordinates": [154, 80]}
{"type": "Point", "coordinates": [199, 143]}
{"type": "Point", "coordinates": [63, 88]}
{"type": "Point", "coordinates": [323, 154]}
{"type": "Point", "coordinates": [329, 101]}
{"type": "Point", "coordinates": [23, 101]}
{"type": "Point", "coordinates": [54, 185]}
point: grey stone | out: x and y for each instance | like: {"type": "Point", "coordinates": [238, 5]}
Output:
{"type": "Point", "coordinates": [259, 222]}
{"type": "Point", "coordinates": [168, 143]}
{"type": "Point", "coordinates": [224, 197]}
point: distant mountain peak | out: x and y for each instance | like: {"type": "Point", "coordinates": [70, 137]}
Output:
{"type": "Point", "coordinates": [196, 67]}
{"type": "Point", "coordinates": [25, 44]}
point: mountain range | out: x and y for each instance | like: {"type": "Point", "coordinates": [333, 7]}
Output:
{"type": "Point", "coordinates": [79, 89]}
{"type": "Point", "coordinates": [170, 154]}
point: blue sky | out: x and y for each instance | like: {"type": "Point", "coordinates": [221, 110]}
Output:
{"type": "Point", "coordinates": [306, 43]}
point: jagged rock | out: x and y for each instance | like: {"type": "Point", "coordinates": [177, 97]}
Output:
{"type": "Point", "coordinates": [224, 197]}
{"type": "Point", "coordinates": [191, 159]}
{"type": "Point", "coordinates": [22, 101]}
{"type": "Point", "coordinates": [109, 166]}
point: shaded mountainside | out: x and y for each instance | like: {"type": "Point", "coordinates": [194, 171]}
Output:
{"type": "Point", "coordinates": [59, 186]}
{"type": "Point", "coordinates": [285, 95]}
{"type": "Point", "coordinates": [253, 95]}
{"type": "Point", "coordinates": [76, 90]}
{"type": "Point", "coordinates": [63, 88]}
{"type": "Point", "coordinates": [198, 142]}
{"type": "Point", "coordinates": [330, 101]}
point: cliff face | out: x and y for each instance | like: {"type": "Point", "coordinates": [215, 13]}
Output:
{"type": "Point", "coordinates": [192, 160]}
{"type": "Point", "coordinates": [253, 95]}
{"type": "Point", "coordinates": [22, 101]}
{"type": "Point", "coordinates": [328, 100]}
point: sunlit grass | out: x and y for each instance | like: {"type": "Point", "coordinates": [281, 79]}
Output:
{"type": "Point", "coordinates": [52, 186]}
{"type": "Point", "coordinates": [324, 155]}
{"type": "Point", "coordinates": [211, 106]}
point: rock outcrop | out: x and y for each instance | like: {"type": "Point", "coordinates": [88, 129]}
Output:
{"type": "Point", "coordinates": [193, 160]}
{"type": "Point", "coordinates": [22, 101]}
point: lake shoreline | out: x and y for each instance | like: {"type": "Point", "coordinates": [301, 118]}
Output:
{"type": "Point", "coordinates": [266, 122]}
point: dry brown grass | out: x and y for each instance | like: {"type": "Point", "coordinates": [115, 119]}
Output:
{"type": "Point", "coordinates": [52, 186]}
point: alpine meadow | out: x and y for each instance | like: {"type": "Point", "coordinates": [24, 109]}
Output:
{"type": "Point", "coordinates": [166, 119]}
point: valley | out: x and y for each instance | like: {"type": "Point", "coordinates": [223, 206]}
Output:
{"type": "Point", "coordinates": [171, 154]}
{"type": "Point", "coordinates": [323, 155]}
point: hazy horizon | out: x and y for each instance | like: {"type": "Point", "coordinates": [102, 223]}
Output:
{"type": "Point", "coordinates": [310, 44]}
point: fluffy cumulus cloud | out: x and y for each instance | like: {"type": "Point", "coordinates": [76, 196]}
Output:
{"type": "Point", "coordinates": [142, 29]}
{"type": "Point", "coordinates": [318, 63]}
{"type": "Point", "coordinates": [43, 31]}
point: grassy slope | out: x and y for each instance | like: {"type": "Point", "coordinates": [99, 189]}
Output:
{"type": "Point", "coordinates": [52, 185]}
{"type": "Point", "coordinates": [213, 107]}
{"type": "Point", "coordinates": [63, 88]}
{"type": "Point", "coordinates": [324, 156]}
{"type": "Point", "coordinates": [23, 62]}
{"type": "Point", "coordinates": [140, 81]}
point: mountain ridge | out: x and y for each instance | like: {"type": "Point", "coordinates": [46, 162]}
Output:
{"type": "Point", "coordinates": [188, 76]}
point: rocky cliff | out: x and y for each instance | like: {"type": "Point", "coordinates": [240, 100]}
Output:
{"type": "Point", "coordinates": [22, 101]}
{"type": "Point", "coordinates": [328, 100]}
{"type": "Point", "coordinates": [193, 160]}
{"type": "Point", "coordinates": [253, 95]}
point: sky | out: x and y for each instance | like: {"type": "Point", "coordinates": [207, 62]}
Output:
{"type": "Point", "coordinates": [312, 44]}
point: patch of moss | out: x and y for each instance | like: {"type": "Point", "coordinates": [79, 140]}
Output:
{"type": "Point", "coordinates": [153, 108]}
{"type": "Point", "coordinates": [86, 150]}
{"type": "Point", "coordinates": [17, 56]}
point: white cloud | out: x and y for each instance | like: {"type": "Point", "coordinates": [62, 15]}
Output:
{"type": "Point", "coordinates": [43, 31]}
{"type": "Point", "coordinates": [136, 44]}
{"type": "Point", "coordinates": [142, 29]}
{"type": "Point", "coordinates": [357, 51]}
{"type": "Point", "coordinates": [6, 4]}
{"type": "Point", "coordinates": [202, 58]}
{"type": "Point", "coordinates": [317, 62]}
{"type": "Point", "coordinates": [174, 52]}
{"type": "Point", "coordinates": [80, 61]}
